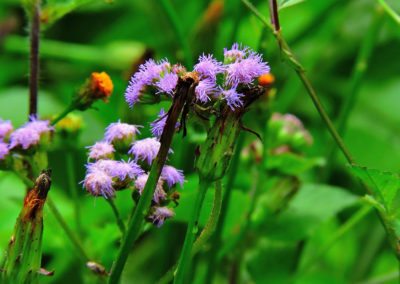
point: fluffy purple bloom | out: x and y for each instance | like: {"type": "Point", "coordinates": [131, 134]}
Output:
{"type": "Point", "coordinates": [208, 67]}
{"type": "Point", "coordinates": [41, 126]}
{"type": "Point", "coordinates": [160, 214]}
{"type": "Point", "coordinates": [5, 128]}
{"type": "Point", "coordinates": [246, 70]}
{"type": "Point", "coordinates": [204, 89]}
{"type": "Point", "coordinates": [145, 149]}
{"type": "Point", "coordinates": [4, 151]}
{"type": "Point", "coordinates": [235, 53]}
{"type": "Point", "coordinates": [116, 169]}
{"type": "Point", "coordinates": [232, 98]}
{"type": "Point", "coordinates": [101, 150]}
{"type": "Point", "coordinates": [148, 75]}
{"type": "Point", "coordinates": [120, 131]}
{"type": "Point", "coordinates": [167, 83]}
{"type": "Point", "coordinates": [158, 125]}
{"type": "Point", "coordinates": [24, 137]}
{"type": "Point", "coordinates": [172, 176]}
{"type": "Point", "coordinates": [98, 182]}
{"type": "Point", "coordinates": [159, 193]}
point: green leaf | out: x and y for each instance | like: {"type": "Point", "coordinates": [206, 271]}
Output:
{"type": "Point", "coordinates": [384, 186]}
{"type": "Point", "coordinates": [292, 164]}
{"type": "Point", "coordinates": [288, 3]}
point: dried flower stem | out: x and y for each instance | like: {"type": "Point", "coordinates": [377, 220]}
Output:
{"type": "Point", "coordinates": [185, 89]}
{"type": "Point", "coordinates": [34, 57]}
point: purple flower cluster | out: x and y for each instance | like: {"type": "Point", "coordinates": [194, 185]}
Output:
{"type": "Point", "coordinates": [241, 66]}
{"type": "Point", "coordinates": [105, 176]}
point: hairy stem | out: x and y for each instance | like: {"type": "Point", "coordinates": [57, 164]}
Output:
{"type": "Point", "coordinates": [34, 57]}
{"type": "Point", "coordinates": [118, 219]}
{"type": "Point", "coordinates": [185, 89]}
{"type": "Point", "coordinates": [192, 229]}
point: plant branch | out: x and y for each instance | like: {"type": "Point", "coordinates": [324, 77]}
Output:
{"type": "Point", "coordinates": [273, 7]}
{"type": "Point", "coordinates": [390, 11]}
{"type": "Point", "coordinates": [34, 57]}
{"type": "Point", "coordinates": [63, 114]}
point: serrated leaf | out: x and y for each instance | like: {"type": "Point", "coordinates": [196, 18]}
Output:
{"type": "Point", "coordinates": [384, 186]}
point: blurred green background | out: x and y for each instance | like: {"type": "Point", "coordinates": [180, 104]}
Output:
{"type": "Point", "coordinates": [115, 36]}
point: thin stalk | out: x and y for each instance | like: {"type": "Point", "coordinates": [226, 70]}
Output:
{"type": "Point", "coordinates": [72, 188]}
{"type": "Point", "coordinates": [63, 114]}
{"type": "Point", "coordinates": [177, 26]}
{"type": "Point", "coordinates": [34, 57]}
{"type": "Point", "coordinates": [185, 89]}
{"type": "Point", "coordinates": [289, 56]}
{"type": "Point", "coordinates": [273, 8]}
{"type": "Point", "coordinates": [118, 219]}
{"type": "Point", "coordinates": [390, 11]}
{"type": "Point", "coordinates": [205, 233]}
{"type": "Point", "coordinates": [70, 234]}
{"type": "Point", "coordinates": [192, 229]}
{"type": "Point", "coordinates": [217, 239]}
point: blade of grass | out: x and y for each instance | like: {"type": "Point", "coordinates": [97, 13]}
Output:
{"type": "Point", "coordinates": [390, 11]}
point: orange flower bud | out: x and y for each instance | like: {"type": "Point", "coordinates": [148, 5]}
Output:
{"type": "Point", "coordinates": [102, 86]}
{"type": "Point", "coordinates": [266, 79]}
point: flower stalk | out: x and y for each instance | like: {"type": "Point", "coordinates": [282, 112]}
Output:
{"type": "Point", "coordinates": [34, 55]}
{"type": "Point", "coordinates": [184, 92]}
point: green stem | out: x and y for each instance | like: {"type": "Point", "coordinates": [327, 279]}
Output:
{"type": "Point", "coordinates": [185, 89]}
{"type": "Point", "coordinates": [34, 57]}
{"type": "Point", "coordinates": [63, 114]}
{"type": "Point", "coordinates": [289, 56]}
{"type": "Point", "coordinates": [217, 240]}
{"type": "Point", "coordinates": [72, 237]}
{"type": "Point", "coordinates": [390, 11]}
{"type": "Point", "coordinates": [73, 190]}
{"type": "Point", "coordinates": [205, 233]}
{"type": "Point", "coordinates": [192, 229]}
{"type": "Point", "coordinates": [118, 219]}
{"type": "Point", "coordinates": [177, 26]}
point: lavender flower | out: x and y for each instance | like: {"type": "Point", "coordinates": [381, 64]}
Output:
{"type": "Point", "coordinates": [160, 214]}
{"type": "Point", "coordinates": [167, 83]}
{"type": "Point", "coordinates": [246, 70]}
{"type": "Point", "coordinates": [159, 193]}
{"type": "Point", "coordinates": [120, 131]}
{"type": "Point", "coordinates": [24, 137]}
{"type": "Point", "coordinates": [116, 169]}
{"type": "Point", "coordinates": [145, 149]}
{"type": "Point", "coordinates": [101, 150]}
{"type": "Point", "coordinates": [172, 176]}
{"type": "Point", "coordinates": [232, 98]}
{"type": "Point", "coordinates": [208, 67]}
{"type": "Point", "coordinates": [235, 53]}
{"type": "Point", "coordinates": [157, 126]}
{"type": "Point", "coordinates": [40, 126]}
{"type": "Point", "coordinates": [148, 75]}
{"type": "Point", "coordinates": [98, 182]}
{"type": "Point", "coordinates": [4, 151]}
{"type": "Point", "coordinates": [5, 128]}
{"type": "Point", "coordinates": [204, 89]}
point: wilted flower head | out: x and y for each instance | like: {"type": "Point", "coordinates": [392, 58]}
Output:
{"type": "Point", "coordinates": [208, 67]}
{"type": "Point", "coordinates": [172, 176]}
{"type": "Point", "coordinates": [101, 150]}
{"type": "Point", "coordinates": [4, 151]}
{"type": "Point", "coordinates": [98, 182]}
{"type": "Point", "coordinates": [145, 149]}
{"type": "Point", "coordinates": [160, 214]}
{"type": "Point", "coordinates": [120, 131]}
{"type": "Point", "coordinates": [5, 128]}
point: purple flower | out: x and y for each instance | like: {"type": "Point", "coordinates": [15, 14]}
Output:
{"type": "Point", "coordinates": [172, 176]}
{"type": "Point", "coordinates": [4, 151]}
{"type": "Point", "coordinates": [98, 182]}
{"type": "Point", "coordinates": [160, 214]}
{"type": "Point", "coordinates": [159, 193]}
{"type": "Point", "coordinates": [232, 98]}
{"type": "Point", "coordinates": [148, 75]}
{"type": "Point", "coordinates": [205, 88]}
{"type": "Point", "coordinates": [167, 83]}
{"type": "Point", "coordinates": [5, 128]}
{"type": "Point", "coordinates": [120, 131]}
{"type": "Point", "coordinates": [145, 149]}
{"type": "Point", "coordinates": [208, 67]}
{"type": "Point", "coordinates": [158, 125]}
{"type": "Point", "coordinates": [116, 169]}
{"type": "Point", "coordinates": [235, 53]}
{"type": "Point", "coordinates": [24, 137]}
{"type": "Point", "coordinates": [40, 126]}
{"type": "Point", "coordinates": [246, 70]}
{"type": "Point", "coordinates": [101, 150]}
